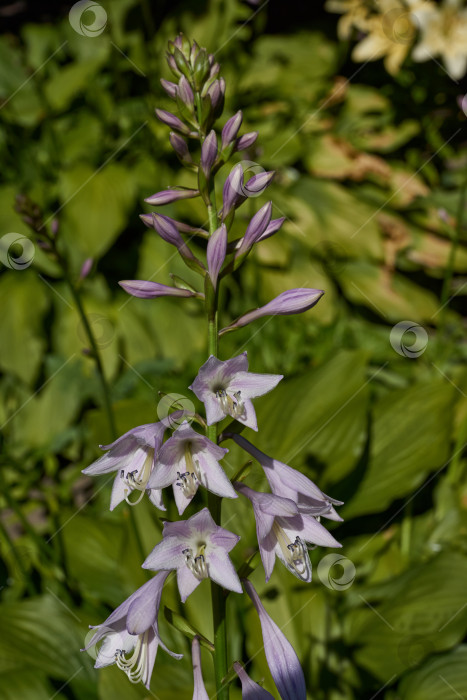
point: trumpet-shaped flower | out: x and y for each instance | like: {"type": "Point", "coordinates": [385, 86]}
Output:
{"type": "Point", "coordinates": [226, 389]}
{"type": "Point", "coordinates": [283, 532]}
{"type": "Point", "coordinates": [290, 483]}
{"type": "Point", "coordinates": [187, 460]}
{"type": "Point", "coordinates": [250, 689]}
{"type": "Point", "coordinates": [133, 627]}
{"type": "Point", "coordinates": [197, 548]}
{"type": "Point", "coordinates": [132, 457]}
{"type": "Point", "coordinates": [282, 660]}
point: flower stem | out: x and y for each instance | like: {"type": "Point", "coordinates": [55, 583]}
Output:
{"type": "Point", "coordinates": [218, 599]}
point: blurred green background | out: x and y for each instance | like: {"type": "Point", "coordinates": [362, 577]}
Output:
{"type": "Point", "coordinates": [371, 173]}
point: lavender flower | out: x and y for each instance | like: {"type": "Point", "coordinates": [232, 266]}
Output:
{"type": "Point", "coordinates": [132, 457]}
{"type": "Point", "coordinates": [168, 231]}
{"type": "Point", "coordinates": [258, 183]}
{"type": "Point", "coordinates": [208, 153]}
{"type": "Point", "coordinates": [283, 532]}
{"type": "Point", "coordinates": [171, 194]}
{"type": "Point", "coordinates": [290, 483]}
{"type": "Point", "coordinates": [185, 92]}
{"type": "Point", "coordinates": [250, 689]}
{"type": "Point", "coordinates": [150, 290]}
{"type": "Point", "coordinates": [187, 460]}
{"type": "Point", "coordinates": [180, 147]}
{"type": "Point", "coordinates": [216, 251]}
{"type": "Point", "coordinates": [172, 121]}
{"type": "Point", "coordinates": [231, 128]}
{"type": "Point", "coordinates": [293, 301]}
{"type": "Point", "coordinates": [280, 655]}
{"type": "Point", "coordinates": [255, 229]}
{"type": "Point", "coordinates": [246, 141]}
{"type": "Point", "coordinates": [226, 389]}
{"type": "Point", "coordinates": [170, 88]}
{"type": "Point", "coordinates": [133, 627]}
{"type": "Point", "coordinates": [199, 690]}
{"type": "Point", "coordinates": [232, 192]}
{"type": "Point", "coordinates": [197, 548]}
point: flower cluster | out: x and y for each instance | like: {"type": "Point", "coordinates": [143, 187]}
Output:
{"type": "Point", "coordinates": [391, 29]}
{"type": "Point", "coordinates": [148, 460]}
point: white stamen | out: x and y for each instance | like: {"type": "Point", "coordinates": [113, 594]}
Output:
{"type": "Point", "coordinates": [232, 405]}
{"type": "Point", "coordinates": [197, 564]}
{"type": "Point", "coordinates": [136, 667]}
{"type": "Point", "coordinates": [135, 482]}
{"type": "Point", "coordinates": [295, 553]}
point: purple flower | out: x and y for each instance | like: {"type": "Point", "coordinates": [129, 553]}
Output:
{"type": "Point", "coordinates": [282, 660]}
{"type": "Point", "coordinates": [180, 147]}
{"type": "Point", "coordinates": [187, 460]}
{"type": "Point", "coordinates": [232, 192]}
{"type": "Point", "coordinates": [199, 689]}
{"type": "Point", "coordinates": [170, 88]}
{"type": "Point", "coordinates": [216, 251]}
{"type": "Point", "coordinates": [132, 457]}
{"type": "Point", "coordinates": [168, 231]}
{"type": "Point", "coordinates": [255, 229]}
{"type": "Point", "coordinates": [290, 483]}
{"type": "Point", "coordinates": [179, 225]}
{"type": "Point", "coordinates": [258, 183]}
{"type": "Point", "coordinates": [273, 228]}
{"type": "Point", "coordinates": [185, 92]}
{"type": "Point", "coordinates": [197, 548]}
{"type": "Point", "coordinates": [208, 152]}
{"type": "Point", "coordinates": [246, 141]}
{"type": "Point", "coordinates": [230, 130]}
{"type": "Point", "coordinates": [293, 301]}
{"type": "Point", "coordinates": [250, 689]}
{"type": "Point", "coordinates": [283, 532]}
{"type": "Point", "coordinates": [172, 121]}
{"type": "Point", "coordinates": [86, 268]}
{"type": "Point", "coordinates": [171, 194]}
{"type": "Point", "coordinates": [133, 627]}
{"type": "Point", "coordinates": [226, 389]}
{"type": "Point", "coordinates": [150, 290]}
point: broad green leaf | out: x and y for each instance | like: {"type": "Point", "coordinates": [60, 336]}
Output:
{"type": "Point", "coordinates": [41, 634]}
{"type": "Point", "coordinates": [440, 678]}
{"type": "Point", "coordinates": [410, 437]}
{"type": "Point", "coordinates": [423, 612]}
{"type": "Point", "coordinates": [25, 684]}
{"type": "Point", "coordinates": [95, 206]}
{"type": "Point", "coordinates": [23, 300]}
{"type": "Point", "coordinates": [71, 80]}
{"type": "Point", "coordinates": [325, 415]}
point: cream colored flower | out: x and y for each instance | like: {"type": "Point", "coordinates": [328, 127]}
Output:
{"type": "Point", "coordinates": [389, 35]}
{"type": "Point", "coordinates": [443, 33]}
{"type": "Point", "coordinates": [353, 12]}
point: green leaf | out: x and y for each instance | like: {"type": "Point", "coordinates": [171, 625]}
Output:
{"type": "Point", "coordinates": [423, 612]}
{"type": "Point", "coordinates": [410, 437]}
{"type": "Point", "coordinates": [96, 205]}
{"type": "Point", "coordinates": [325, 416]}
{"type": "Point", "coordinates": [27, 685]}
{"type": "Point", "coordinates": [441, 678]}
{"type": "Point", "coordinates": [40, 634]}
{"type": "Point", "coordinates": [23, 299]}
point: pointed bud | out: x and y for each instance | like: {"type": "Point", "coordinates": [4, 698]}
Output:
{"type": "Point", "coordinates": [168, 231]}
{"type": "Point", "coordinates": [172, 65]}
{"type": "Point", "coordinates": [274, 226]}
{"type": "Point", "coordinates": [170, 88]}
{"type": "Point", "coordinates": [230, 130]}
{"type": "Point", "coordinates": [250, 689]}
{"type": "Point", "coordinates": [172, 121]}
{"type": "Point", "coordinates": [280, 655]}
{"type": "Point", "coordinates": [199, 690]}
{"type": "Point", "coordinates": [180, 147]}
{"type": "Point", "coordinates": [255, 229]}
{"type": "Point", "coordinates": [217, 247]}
{"type": "Point", "coordinates": [86, 268]}
{"type": "Point", "coordinates": [150, 290]}
{"type": "Point", "coordinates": [201, 68]}
{"type": "Point", "coordinates": [54, 226]}
{"type": "Point", "coordinates": [258, 183]}
{"type": "Point", "coordinates": [231, 193]}
{"type": "Point", "coordinates": [246, 140]}
{"type": "Point", "coordinates": [181, 62]}
{"type": "Point", "coordinates": [293, 301]}
{"type": "Point", "coordinates": [208, 152]}
{"type": "Point", "coordinates": [171, 194]}
{"type": "Point", "coordinates": [185, 92]}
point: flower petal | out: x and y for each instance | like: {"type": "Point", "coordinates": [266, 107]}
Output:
{"type": "Point", "coordinates": [187, 582]}
{"type": "Point", "coordinates": [151, 290]}
{"type": "Point", "coordinates": [199, 690]}
{"type": "Point", "coordinates": [166, 555]}
{"type": "Point", "coordinates": [222, 571]}
{"type": "Point", "coordinates": [250, 689]}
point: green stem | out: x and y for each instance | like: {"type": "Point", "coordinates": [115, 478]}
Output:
{"type": "Point", "coordinates": [95, 351]}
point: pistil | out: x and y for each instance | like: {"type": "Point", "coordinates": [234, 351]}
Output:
{"type": "Point", "coordinates": [136, 667]}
